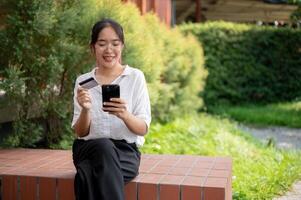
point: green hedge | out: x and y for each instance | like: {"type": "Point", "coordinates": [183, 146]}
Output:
{"type": "Point", "coordinates": [248, 63]}
{"type": "Point", "coordinates": [45, 45]}
{"type": "Point", "coordinates": [296, 2]}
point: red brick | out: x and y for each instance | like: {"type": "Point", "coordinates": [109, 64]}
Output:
{"type": "Point", "coordinates": [169, 162]}
{"type": "Point", "coordinates": [145, 168]}
{"type": "Point", "coordinates": [168, 192]}
{"type": "Point", "coordinates": [160, 170]}
{"type": "Point", "coordinates": [172, 179]}
{"type": "Point", "coordinates": [150, 162]}
{"type": "Point", "coordinates": [223, 160]}
{"type": "Point", "coordinates": [219, 173]}
{"type": "Point", "coordinates": [206, 159]}
{"type": "Point", "coordinates": [204, 165]}
{"type": "Point", "coordinates": [199, 172]}
{"type": "Point", "coordinates": [222, 165]}
{"type": "Point", "coordinates": [215, 188]}
{"type": "Point", "coordinates": [147, 191]}
{"type": "Point", "coordinates": [28, 187]}
{"type": "Point", "coordinates": [151, 178]}
{"type": "Point", "coordinates": [216, 182]}
{"type": "Point", "coordinates": [9, 187]}
{"type": "Point", "coordinates": [185, 163]}
{"type": "Point", "coordinates": [179, 171]}
{"type": "Point", "coordinates": [130, 191]}
{"type": "Point", "coordinates": [47, 188]}
{"type": "Point", "coordinates": [214, 193]}
{"type": "Point", "coordinates": [193, 181]}
{"type": "Point", "coordinates": [65, 189]}
{"type": "Point", "coordinates": [191, 192]}
{"type": "Point", "coordinates": [154, 157]}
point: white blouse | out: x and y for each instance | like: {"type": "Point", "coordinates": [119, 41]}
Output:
{"type": "Point", "coordinates": [133, 90]}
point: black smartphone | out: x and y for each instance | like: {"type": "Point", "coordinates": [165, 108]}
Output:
{"type": "Point", "coordinates": [110, 91]}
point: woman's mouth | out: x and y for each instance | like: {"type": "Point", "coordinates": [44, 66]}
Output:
{"type": "Point", "coordinates": [108, 58]}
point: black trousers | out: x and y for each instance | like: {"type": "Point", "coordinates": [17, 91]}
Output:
{"type": "Point", "coordinates": [103, 167]}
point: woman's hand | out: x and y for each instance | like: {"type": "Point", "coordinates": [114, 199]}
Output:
{"type": "Point", "coordinates": [116, 107]}
{"type": "Point", "coordinates": [84, 98]}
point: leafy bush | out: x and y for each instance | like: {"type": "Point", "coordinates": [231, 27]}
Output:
{"type": "Point", "coordinates": [182, 78]}
{"type": "Point", "coordinates": [45, 45]}
{"type": "Point", "coordinates": [248, 63]}
{"type": "Point", "coordinates": [298, 2]}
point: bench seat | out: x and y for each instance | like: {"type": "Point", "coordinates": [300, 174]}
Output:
{"type": "Point", "coordinates": [40, 174]}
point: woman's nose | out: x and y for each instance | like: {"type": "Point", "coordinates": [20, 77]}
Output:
{"type": "Point", "coordinates": [109, 47]}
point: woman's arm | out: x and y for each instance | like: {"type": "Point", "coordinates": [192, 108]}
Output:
{"type": "Point", "coordinates": [135, 124]}
{"type": "Point", "coordinates": [82, 124]}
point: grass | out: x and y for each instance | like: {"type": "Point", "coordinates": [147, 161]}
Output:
{"type": "Point", "coordinates": [260, 172]}
{"type": "Point", "coordinates": [280, 114]}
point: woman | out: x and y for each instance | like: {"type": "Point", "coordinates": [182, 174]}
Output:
{"type": "Point", "coordinates": [105, 153]}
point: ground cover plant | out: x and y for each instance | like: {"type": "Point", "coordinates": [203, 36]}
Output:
{"type": "Point", "coordinates": [277, 114]}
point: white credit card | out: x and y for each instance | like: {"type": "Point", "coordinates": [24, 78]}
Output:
{"type": "Point", "coordinates": [88, 83]}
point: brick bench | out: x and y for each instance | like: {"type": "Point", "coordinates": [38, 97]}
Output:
{"type": "Point", "coordinates": [48, 174]}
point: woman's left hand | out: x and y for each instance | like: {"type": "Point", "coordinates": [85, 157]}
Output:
{"type": "Point", "coordinates": [116, 107]}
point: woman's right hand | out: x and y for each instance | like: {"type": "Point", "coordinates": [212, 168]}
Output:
{"type": "Point", "coordinates": [84, 98]}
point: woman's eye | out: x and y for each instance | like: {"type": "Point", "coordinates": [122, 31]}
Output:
{"type": "Point", "coordinates": [116, 44]}
{"type": "Point", "coordinates": [102, 44]}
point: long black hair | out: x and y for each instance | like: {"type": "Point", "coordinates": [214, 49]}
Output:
{"type": "Point", "coordinates": [98, 26]}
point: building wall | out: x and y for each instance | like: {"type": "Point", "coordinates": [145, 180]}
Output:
{"type": "Point", "coordinates": [161, 7]}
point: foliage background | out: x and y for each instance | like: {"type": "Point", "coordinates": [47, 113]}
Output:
{"type": "Point", "coordinates": [44, 47]}
{"type": "Point", "coordinates": [249, 64]}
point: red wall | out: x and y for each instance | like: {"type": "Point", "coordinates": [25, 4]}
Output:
{"type": "Point", "coordinates": [161, 7]}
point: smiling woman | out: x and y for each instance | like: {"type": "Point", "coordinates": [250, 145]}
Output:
{"type": "Point", "coordinates": [105, 152]}
{"type": "Point", "coordinates": [107, 45]}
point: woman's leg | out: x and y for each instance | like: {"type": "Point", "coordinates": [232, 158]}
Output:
{"type": "Point", "coordinates": [129, 158]}
{"type": "Point", "coordinates": [97, 162]}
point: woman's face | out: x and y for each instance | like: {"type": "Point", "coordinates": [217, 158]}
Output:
{"type": "Point", "coordinates": [108, 48]}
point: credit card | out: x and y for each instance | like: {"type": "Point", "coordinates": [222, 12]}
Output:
{"type": "Point", "coordinates": [88, 83]}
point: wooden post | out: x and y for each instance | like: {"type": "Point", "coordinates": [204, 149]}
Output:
{"type": "Point", "coordinates": [142, 6]}
{"type": "Point", "coordinates": [198, 13]}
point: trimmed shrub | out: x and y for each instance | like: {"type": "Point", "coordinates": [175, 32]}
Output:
{"type": "Point", "coordinates": [248, 63]}
{"type": "Point", "coordinates": [46, 45]}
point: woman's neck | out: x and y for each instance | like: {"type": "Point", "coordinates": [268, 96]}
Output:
{"type": "Point", "coordinates": [105, 71]}
{"type": "Point", "coordinates": [108, 75]}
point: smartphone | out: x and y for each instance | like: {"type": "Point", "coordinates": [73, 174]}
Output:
{"type": "Point", "coordinates": [88, 83]}
{"type": "Point", "coordinates": [110, 91]}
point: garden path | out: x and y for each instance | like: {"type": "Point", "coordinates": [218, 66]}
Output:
{"type": "Point", "coordinates": [288, 138]}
